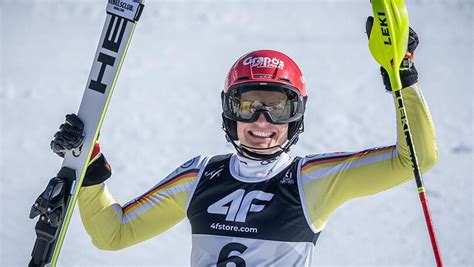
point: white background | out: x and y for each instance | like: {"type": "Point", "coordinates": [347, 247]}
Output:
{"type": "Point", "coordinates": [166, 109]}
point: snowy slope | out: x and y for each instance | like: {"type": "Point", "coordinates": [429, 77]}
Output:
{"type": "Point", "coordinates": [166, 109]}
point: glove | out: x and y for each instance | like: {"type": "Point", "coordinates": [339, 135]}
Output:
{"type": "Point", "coordinates": [98, 170]}
{"type": "Point", "coordinates": [408, 72]}
{"type": "Point", "coordinates": [70, 137]}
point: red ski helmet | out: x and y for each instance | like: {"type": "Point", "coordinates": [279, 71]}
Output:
{"type": "Point", "coordinates": [266, 66]}
{"type": "Point", "coordinates": [266, 70]}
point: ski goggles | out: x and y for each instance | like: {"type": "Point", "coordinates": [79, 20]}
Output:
{"type": "Point", "coordinates": [278, 103]}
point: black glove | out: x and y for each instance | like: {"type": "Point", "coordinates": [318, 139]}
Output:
{"type": "Point", "coordinates": [98, 170]}
{"type": "Point", "coordinates": [71, 137]}
{"type": "Point", "coordinates": [408, 72]}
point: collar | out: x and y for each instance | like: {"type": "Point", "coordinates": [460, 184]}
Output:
{"type": "Point", "coordinates": [252, 171]}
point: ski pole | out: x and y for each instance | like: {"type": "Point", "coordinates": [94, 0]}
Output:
{"type": "Point", "coordinates": [388, 46]}
{"type": "Point", "coordinates": [418, 179]}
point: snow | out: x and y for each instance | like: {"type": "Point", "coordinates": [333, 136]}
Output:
{"type": "Point", "coordinates": [166, 109]}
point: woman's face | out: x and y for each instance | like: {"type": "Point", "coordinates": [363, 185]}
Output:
{"type": "Point", "coordinates": [261, 133]}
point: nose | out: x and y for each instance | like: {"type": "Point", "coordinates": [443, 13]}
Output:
{"type": "Point", "coordinates": [261, 119]}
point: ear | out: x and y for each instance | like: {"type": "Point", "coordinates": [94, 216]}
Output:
{"type": "Point", "coordinates": [368, 26]}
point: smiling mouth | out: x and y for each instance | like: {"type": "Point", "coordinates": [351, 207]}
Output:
{"type": "Point", "coordinates": [261, 134]}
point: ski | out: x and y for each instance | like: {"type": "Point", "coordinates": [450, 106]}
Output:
{"type": "Point", "coordinates": [56, 204]}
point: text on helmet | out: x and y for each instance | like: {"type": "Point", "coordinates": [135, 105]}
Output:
{"type": "Point", "coordinates": [264, 62]}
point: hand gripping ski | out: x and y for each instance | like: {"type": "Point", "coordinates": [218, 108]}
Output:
{"type": "Point", "coordinates": [56, 204]}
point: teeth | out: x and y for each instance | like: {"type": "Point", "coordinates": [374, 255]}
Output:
{"type": "Point", "coordinates": [261, 134]}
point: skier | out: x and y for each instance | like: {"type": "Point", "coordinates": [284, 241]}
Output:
{"type": "Point", "coordinates": [258, 206]}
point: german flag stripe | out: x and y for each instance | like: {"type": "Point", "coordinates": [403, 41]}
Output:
{"type": "Point", "coordinates": [161, 187]}
{"type": "Point", "coordinates": [311, 165]}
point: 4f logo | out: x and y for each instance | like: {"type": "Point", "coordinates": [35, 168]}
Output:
{"type": "Point", "coordinates": [237, 204]}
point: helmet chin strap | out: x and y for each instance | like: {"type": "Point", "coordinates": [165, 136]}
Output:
{"type": "Point", "coordinates": [253, 153]}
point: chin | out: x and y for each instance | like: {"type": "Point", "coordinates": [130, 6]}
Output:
{"type": "Point", "coordinates": [262, 148]}
{"type": "Point", "coordinates": [259, 145]}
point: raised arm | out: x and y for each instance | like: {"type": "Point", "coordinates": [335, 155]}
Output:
{"type": "Point", "coordinates": [329, 180]}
